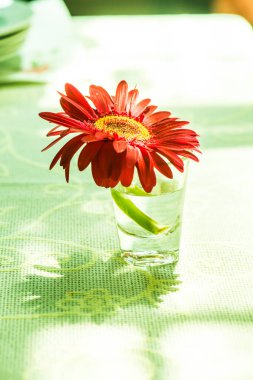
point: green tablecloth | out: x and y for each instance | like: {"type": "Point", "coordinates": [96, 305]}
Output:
{"type": "Point", "coordinates": [70, 308]}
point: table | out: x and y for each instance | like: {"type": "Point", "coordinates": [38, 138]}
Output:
{"type": "Point", "coordinates": [70, 308]}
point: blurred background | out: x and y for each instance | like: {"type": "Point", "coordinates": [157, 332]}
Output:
{"type": "Point", "coordinates": [193, 58]}
{"type": "Point", "coordinates": [131, 7]}
{"type": "Point", "coordinates": [100, 7]}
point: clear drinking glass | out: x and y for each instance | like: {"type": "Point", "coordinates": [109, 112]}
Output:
{"type": "Point", "coordinates": [149, 224]}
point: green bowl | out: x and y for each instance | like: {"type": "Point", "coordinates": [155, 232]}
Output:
{"type": "Point", "coordinates": [14, 17]}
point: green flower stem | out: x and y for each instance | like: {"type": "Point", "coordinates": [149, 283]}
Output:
{"type": "Point", "coordinates": [133, 212]}
{"type": "Point", "coordinates": [139, 192]}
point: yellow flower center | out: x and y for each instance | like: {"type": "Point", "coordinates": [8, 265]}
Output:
{"type": "Point", "coordinates": [124, 126]}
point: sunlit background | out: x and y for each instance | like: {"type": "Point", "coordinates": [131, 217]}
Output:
{"type": "Point", "coordinates": [132, 7]}
{"type": "Point", "coordinates": [69, 308]}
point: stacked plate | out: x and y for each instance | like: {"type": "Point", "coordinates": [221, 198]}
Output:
{"type": "Point", "coordinates": [15, 20]}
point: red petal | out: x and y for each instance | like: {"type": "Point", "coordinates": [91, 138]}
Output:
{"type": "Point", "coordinates": [157, 117]}
{"type": "Point", "coordinates": [97, 136]}
{"type": "Point", "coordinates": [146, 171]}
{"type": "Point", "coordinates": [119, 145]}
{"type": "Point", "coordinates": [70, 149]}
{"type": "Point", "coordinates": [161, 165]}
{"type": "Point", "coordinates": [106, 166]}
{"type": "Point", "coordinates": [148, 111]}
{"type": "Point", "coordinates": [86, 114]}
{"type": "Point", "coordinates": [60, 119]}
{"type": "Point", "coordinates": [164, 125]}
{"type": "Point", "coordinates": [89, 138]}
{"type": "Point", "coordinates": [56, 158]}
{"type": "Point", "coordinates": [88, 154]}
{"type": "Point", "coordinates": [102, 165]}
{"type": "Point", "coordinates": [117, 166]}
{"type": "Point", "coordinates": [171, 123]}
{"type": "Point", "coordinates": [187, 154]}
{"type": "Point", "coordinates": [55, 141]}
{"type": "Point", "coordinates": [54, 131]}
{"type": "Point", "coordinates": [140, 107]}
{"type": "Point", "coordinates": [105, 158]}
{"type": "Point", "coordinates": [101, 99]}
{"type": "Point", "coordinates": [179, 140]}
{"type": "Point", "coordinates": [174, 148]}
{"type": "Point", "coordinates": [120, 100]}
{"type": "Point", "coordinates": [76, 95]}
{"type": "Point", "coordinates": [67, 172]}
{"type": "Point", "coordinates": [172, 157]}
{"type": "Point", "coordinates": [67, 152]}
{"type": "Point", "coordinates": [71, 110]}
{"type": "Point", "coordinates": [165, 133]}
{"type": "Point", "coordinates": [95, 169]}
{"type": "Point", "coordinates": [131, 100]}
{"type": "Point", "coordinates": [128, 165]}
{"type": "Point", "coordinates": [176, 132]}
{"type": "Point", "coordinates": [60, 132]}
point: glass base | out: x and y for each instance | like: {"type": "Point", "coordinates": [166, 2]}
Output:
{"type": "Point", "coordinates": [150, 258]}
{"type": "Point", "coordinates": [149, 251]}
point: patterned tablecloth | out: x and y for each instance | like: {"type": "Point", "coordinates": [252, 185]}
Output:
{"type": "Point", "coordinates": [70, 308]}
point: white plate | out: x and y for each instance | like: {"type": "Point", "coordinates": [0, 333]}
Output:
{"type": "Point", "coordinates": [14, 17]}
{"type": "Point", "coordinates": [6, 49]}
{"type": "Point", "coordinates": [8, 55]}
{"type": "Point", "coordinates": [13, 38]}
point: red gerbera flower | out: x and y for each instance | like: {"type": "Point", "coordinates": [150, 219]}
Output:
{"type": "Point", "coordinates": [117, 134]}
